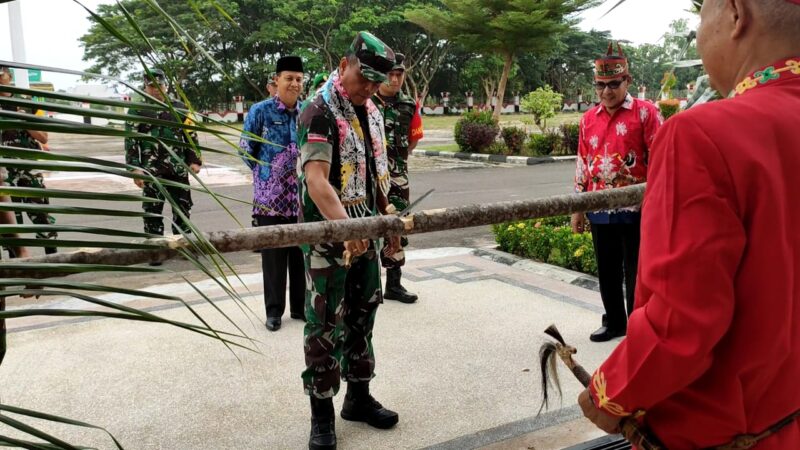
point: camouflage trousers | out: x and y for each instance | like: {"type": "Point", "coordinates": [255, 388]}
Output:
{"type": "Point", "coordinates": [398, 196]}
{"type": "Point", "coordinates": [340, 313]}
{"type": "Point", "coordinates": [182, 198]}
{"type": "Point", "coordinates": [26, 179]}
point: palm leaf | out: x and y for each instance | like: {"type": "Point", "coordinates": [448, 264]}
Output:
{"type": "Point", "coordinates": [199, 252]}
{"type": "Point", "coordinates": [620, 2]}
{"type": "Point", "coordinates": [25, 428]}
{"type": "Point", "coordinates": [54, 418]}
{"type": "Point", "coordinates": [57, 193]}
{"type": "Point", "coordinates": [35, 228]}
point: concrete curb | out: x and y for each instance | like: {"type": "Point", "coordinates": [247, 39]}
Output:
{"type": "Point", "coordinates": [510, 430]}
{"type": "Point", "coordinates": [480, 157]}
{"type": "Point", "coordinates": [545, 270]}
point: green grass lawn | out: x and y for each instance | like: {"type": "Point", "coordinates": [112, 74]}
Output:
{"type": "Point", "coordinates": [448, 122]}
{"type": "Point", "coordinates": [441, 148]}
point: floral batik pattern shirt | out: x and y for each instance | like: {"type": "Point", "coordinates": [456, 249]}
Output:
{"type": "Point", "coordinates": [275, 168]}
{"type": "Point", "coordinates": [613, 151]}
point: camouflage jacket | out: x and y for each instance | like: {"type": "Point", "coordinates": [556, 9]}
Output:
{"type": "Point", "coordinates": [397, 114]}
{"type": "Point", "coordinates": [154, 156]}
{"type": "Point", "coordinates": [16, 138]}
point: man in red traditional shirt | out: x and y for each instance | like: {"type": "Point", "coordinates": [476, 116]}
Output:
{"type": "Point", "coordinates": [615, 139]}
{"type": "Point", "coordinates": [713, 346]}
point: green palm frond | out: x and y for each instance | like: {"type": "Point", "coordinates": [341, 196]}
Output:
{"type": "Point", "coordinates": [199, 252]}
{"type": "Point", "coordinates": [696, 5]}
{"type": "Point", "coordinates": [49, 417]}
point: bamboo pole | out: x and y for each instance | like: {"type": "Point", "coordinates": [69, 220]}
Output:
{"type": "Point", "coordinates": [342, 230]}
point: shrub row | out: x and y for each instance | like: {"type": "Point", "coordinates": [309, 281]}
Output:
{"type": "Point", "coordinates": [476, 132]}
{"type": "Point", "coordinates": [549, 240]}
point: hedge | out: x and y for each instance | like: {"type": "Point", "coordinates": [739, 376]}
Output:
{"type": "Point", "coordinates": [549, 240]}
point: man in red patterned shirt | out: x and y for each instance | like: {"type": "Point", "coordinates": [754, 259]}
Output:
{"type": "Point", "coordinates": [615, 139]}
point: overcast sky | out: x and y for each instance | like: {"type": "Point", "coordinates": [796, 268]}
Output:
{"type": "Point", "coordinates": [52, 29]}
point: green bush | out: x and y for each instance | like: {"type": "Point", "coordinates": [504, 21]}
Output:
{"type": "Point", "coordinates": [514, 137]}
{"type": "Point", "coordinates": [570, 136]}
{"type": "Point", "coordinates": [497, 148]}
{"type": "Point", "coordinates": [548, 240]}
{"type": "Point", "coordinates": [543, 104]}
{"type": "Point", "coordinates": [669, 108]}
{"type": "Point", "coordinates": [475, 131]}
{"type": "Point", "coordinates": [543, 144]}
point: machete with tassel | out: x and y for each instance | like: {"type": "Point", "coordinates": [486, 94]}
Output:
{"type": "Point", "coordinates": [631, 430]}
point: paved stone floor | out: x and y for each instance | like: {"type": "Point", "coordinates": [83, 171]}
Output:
{"type": "Point", "coordinates": [459, 366]}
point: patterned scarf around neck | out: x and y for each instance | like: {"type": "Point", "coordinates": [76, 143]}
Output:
{"type": "Point", "coordinates": [352, 150]}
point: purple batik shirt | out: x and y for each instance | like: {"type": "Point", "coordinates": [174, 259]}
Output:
{"type": "Point", "coordinates": [275, 173]}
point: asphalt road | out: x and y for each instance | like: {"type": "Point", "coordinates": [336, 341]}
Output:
{"type": "Point", "coordinates": [455, 182]}
{"type": "Point", "coordinates": [463, 185]}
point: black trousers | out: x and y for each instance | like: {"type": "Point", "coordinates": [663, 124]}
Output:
{"type": "Point", "coordinates": [274, 264]}
{"type": "Point", "coordinates": [616, 247]}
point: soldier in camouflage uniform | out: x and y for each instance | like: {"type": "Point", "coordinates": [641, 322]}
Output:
{"type": "Point", "coordinates": [26, 178]}
{"type": "Point", "coordinates": [403, 130]}
{"type": "Point", "coordinates": [156, 159]}
{"type": "Point", "coordinates": [344, 174]}
{"type": "Point", "coordinates": [272, 85]}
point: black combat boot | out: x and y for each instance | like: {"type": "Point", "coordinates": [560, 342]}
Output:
{"type": "Point", "coordinates": [359, 406]}
{"type": "Point", "coordinates": [394, 290]}
{"type": "Point", "coordinates": [323, 425]}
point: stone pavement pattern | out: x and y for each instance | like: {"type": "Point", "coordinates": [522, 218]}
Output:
{"type": "Point", "coordinates": [459, 366]}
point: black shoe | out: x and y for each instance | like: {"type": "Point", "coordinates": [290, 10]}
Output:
{"type": "Point", "coordinates": [399, 294]}
{"type": "Point", "coordinates": [604, 334]}
{"type": "Point", "coordinates": [155, 263]}
{"type": "Point", "coordinates": [360, 406]}
{"type": "Point", "coordinates": [50, 250]}
{"type": "Point", "coordinates": [323, 425]}
{"type": "Point", "coordinates": [273, 323]}
{"type": "Point", "coordinates": [394, 290]}
{"type": "Point", "coordinates": [298, 316]}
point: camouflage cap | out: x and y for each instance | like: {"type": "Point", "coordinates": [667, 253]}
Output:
{"type": "Point", "coordinates": [399, 60]}
{"type": "Point", "coordinates": [375, 57]}
{"type": "Point", "coordinates": [318, 80]}
{"type": "Point", "coordinates": [154, 74]}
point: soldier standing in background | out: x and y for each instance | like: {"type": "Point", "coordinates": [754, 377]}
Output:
{"type": "Point", "coordinates": [272, 85]}
{"type": "Point", "coordinates": [156, 159]}
{"type": "Point", "coordinates": [25, 178]}
{"type": "Point", "coordinates": [403, 125]}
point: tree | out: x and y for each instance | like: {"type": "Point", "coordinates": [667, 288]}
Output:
{"type": "Point", "coordinates": [502, 27]}
{"type": "Point", "coordinates": [425, 54]}
{"type": "Point", "coordinates": [569, 69]}
{"type": "Point", "coordinates": [326, 28]}
{"type": "Point", "coordinates": [649, 62]}
{"type": "Point", "coordinates": [170, 50]}
{"type": "Point", "coordinates": [543, 104]}
{"type": "Point", "coordinates": [485, 71]}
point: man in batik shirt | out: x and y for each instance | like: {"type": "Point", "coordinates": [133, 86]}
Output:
{"type": "Point", "coordinates": [615, 139]}
{"type": "Point", "coordinates": [274, 166]}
